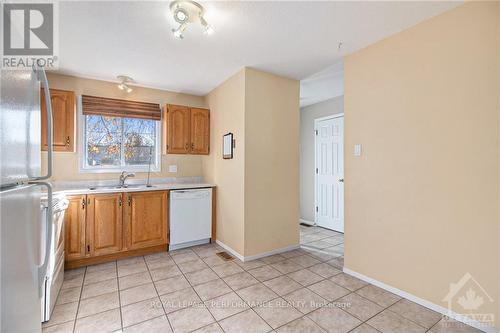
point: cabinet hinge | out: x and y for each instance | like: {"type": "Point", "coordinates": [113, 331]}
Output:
{"type": "Point", "coordinates": [316, 170]}
{"type": "Point", "coordinates": [120, 201]}
{"type": "Point", "coordinates": [316, 209]}
{"type": "Point", "coordinates": [129, 200]}
{"type": "Point", "coordinates": [316, 131]}
{"type": "Point", "coordinates": [83, 203]}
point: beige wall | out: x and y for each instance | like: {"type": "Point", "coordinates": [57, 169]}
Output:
{"type": "Point", "coordinates": [271, 162]}
{"type": "Point", "coordinates": [257, 209]}
{"type": "Point", "coordinates": [66, 164]}
{"type": "Point", "coordinates": [227, 114]}
{"type": "Point", "coordinates": [422, 202]}
{"type": "Point", "coordinates": [307, 116]}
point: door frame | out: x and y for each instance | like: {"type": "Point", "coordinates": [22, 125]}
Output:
{"type": "Point", "coordinates": [316, 121]}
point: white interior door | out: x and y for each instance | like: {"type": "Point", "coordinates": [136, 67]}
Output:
{"type": "Point", "coordinates": [330, 173]}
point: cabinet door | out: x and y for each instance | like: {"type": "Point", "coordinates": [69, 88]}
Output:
{"type": "Point", "coordinates": [74, 228]}
{"type": "Point", "coordinates": [63, 120]}
{"type": "Point", "coordinates": [104, 221]}
{"type": "Point", "coordinates": [200, 131]}
{"type": "Point", "coordinates": [177, 129]}
{"type": "Point", "coordinates": [146, 216]}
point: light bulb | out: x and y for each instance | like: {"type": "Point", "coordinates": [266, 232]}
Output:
{"type": "Point", "coordinates": [178, 32]}
{"type": "Point", "coordinates": [181, 16]}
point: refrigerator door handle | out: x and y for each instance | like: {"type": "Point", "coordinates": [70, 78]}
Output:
{"type": "Point", "coordinates": [42, 77]}
{"type": "Point", "coordinates": [42, 269]}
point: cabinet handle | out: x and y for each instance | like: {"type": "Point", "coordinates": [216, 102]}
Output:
{"type": "Point", "coordinates": [129, 200]}
{"type": "Point", "coordinates": [67, 141]}
{"type": "Point", "coordinates": [88, 248]}
{"type": "Point", "coordinates": [120, 201]}
{"type": "Point", "coordinates": [187, 146]}
{"type": "Point", "coordinates": [192, 145]}
{"type": "Point", "coordinates": [83, 203]}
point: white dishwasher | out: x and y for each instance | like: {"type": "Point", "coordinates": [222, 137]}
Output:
{"type": "Point", "coordinates": [190, 217]}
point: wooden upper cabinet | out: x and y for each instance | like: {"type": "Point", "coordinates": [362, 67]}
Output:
{"type": "Point", "coordinates": [146, 215]}
{"type": "Point", "coordinates": [177, 128]}
{"type": "Point", "coordinates": [200, 131]}
{"type": "Point", "coordinates": [186, 130]}
{"type": "Point", "coordinates": [104, 222]}
{"type": "Point", "coordinates": [63, 119]}
{"type": "Point", "coordinates": [74, 228]}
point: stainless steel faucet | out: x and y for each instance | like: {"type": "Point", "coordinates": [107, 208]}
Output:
{"type": "Point", "coordinates": [123, 177]}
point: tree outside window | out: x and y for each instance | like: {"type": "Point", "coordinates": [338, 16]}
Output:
{"type": "Point", "coordinates": [120, 142]}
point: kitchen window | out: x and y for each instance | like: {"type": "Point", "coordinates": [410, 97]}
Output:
{"type": "Point", "coordinates": [113, 142]}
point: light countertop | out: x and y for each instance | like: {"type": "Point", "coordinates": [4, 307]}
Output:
{"type": "Point", "coordinates": [135, 185]}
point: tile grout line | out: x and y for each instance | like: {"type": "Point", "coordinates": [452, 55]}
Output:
{"type": "Point", "coordinates": [262, 282]}
{"type": "Point", "coordinates": [192, 287]}
{"type": "Point", "coordinates": [219, 277]}
{"type": "Point", "coordinates": [157, 294]}
{"type": "Point", "coordinates": [79, 298]}
{"type": "Point", "coordinates": [119, 296]}
{"type": "Point", "coordinates": [321, 261]}
{"type": "Point", "coordinates": [247, 303]}
{"type": "Point", "coordinates": [234, 291]}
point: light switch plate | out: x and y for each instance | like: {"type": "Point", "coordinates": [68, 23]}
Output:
{"type": "Point", "coordinates": [357, 150]}
{"type": "Point", "coordinates": [172, 168]}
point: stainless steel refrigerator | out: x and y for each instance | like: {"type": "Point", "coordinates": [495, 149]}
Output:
{"type": "Point", "coordinates": [23, 254]}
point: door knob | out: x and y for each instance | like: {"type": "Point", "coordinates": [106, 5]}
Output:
{"type": "Point", "coordinates": [341, 180]}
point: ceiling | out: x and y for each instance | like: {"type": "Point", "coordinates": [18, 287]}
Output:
{"type": "Point", "coordinates": [101, 39]}
{"type": "Point", "coordinates": [325, 84]}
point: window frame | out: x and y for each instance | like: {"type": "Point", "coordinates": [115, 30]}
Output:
{"type": "Point", "coordinates": [82, 153]}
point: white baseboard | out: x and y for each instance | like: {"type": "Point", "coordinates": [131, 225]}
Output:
{"type": "Point", "coordinates": [423, 302]}
{"type": "Point", "coordinates": [306, 222]}
{"type": "Point", "coordinates": [270, 253]}
{"type": "Point", "coordinates": [230, 250]}
{"type": "Point", "coordinates": [256, 256]}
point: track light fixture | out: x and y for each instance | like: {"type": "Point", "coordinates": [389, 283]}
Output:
{"type": "Point", "coordinates": [124, 83]}
{"type": "Point", "coordinates": [185, 12]}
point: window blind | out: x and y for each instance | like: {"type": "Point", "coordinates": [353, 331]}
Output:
{"type": "Point", "coordinates": [111, 107]}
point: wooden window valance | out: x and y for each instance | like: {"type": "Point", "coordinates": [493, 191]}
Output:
{"type": "Point", "coordinates": [111, 107]}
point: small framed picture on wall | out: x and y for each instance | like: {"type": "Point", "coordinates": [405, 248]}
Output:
{"type": "Point", "coordinates": [227, 146]}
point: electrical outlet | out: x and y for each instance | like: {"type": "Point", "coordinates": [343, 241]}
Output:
{"type": "Point", "coordinates": [357, 150]}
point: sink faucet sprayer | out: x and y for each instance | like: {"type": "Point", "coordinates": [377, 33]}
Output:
{"type": "Point", "coordinates": [149, 165]}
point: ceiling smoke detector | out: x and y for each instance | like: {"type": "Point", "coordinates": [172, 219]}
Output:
{"type": "Point", "coordinates": [124, 83]}
{"type": "Point", "coordinates": [185, 12]}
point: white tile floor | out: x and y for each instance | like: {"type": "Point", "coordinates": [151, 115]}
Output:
{"type": "Point", "coordinates": [192, 289]}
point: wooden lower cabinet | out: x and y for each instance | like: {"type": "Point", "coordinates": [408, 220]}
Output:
{"type": "Point", "coordinates": [105, 227]}
{"type": "Point", "coordinates": [146, 216]}
{"type": "Point", "coordinates": [104, 224]}
{"type": "Point", "coordinates": [74, 228]}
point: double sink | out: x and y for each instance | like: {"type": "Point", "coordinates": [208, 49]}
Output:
{"type": "Point", "coordinates": [112, 187]}
{"type": "Point", "coordinates": [121, 185]}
